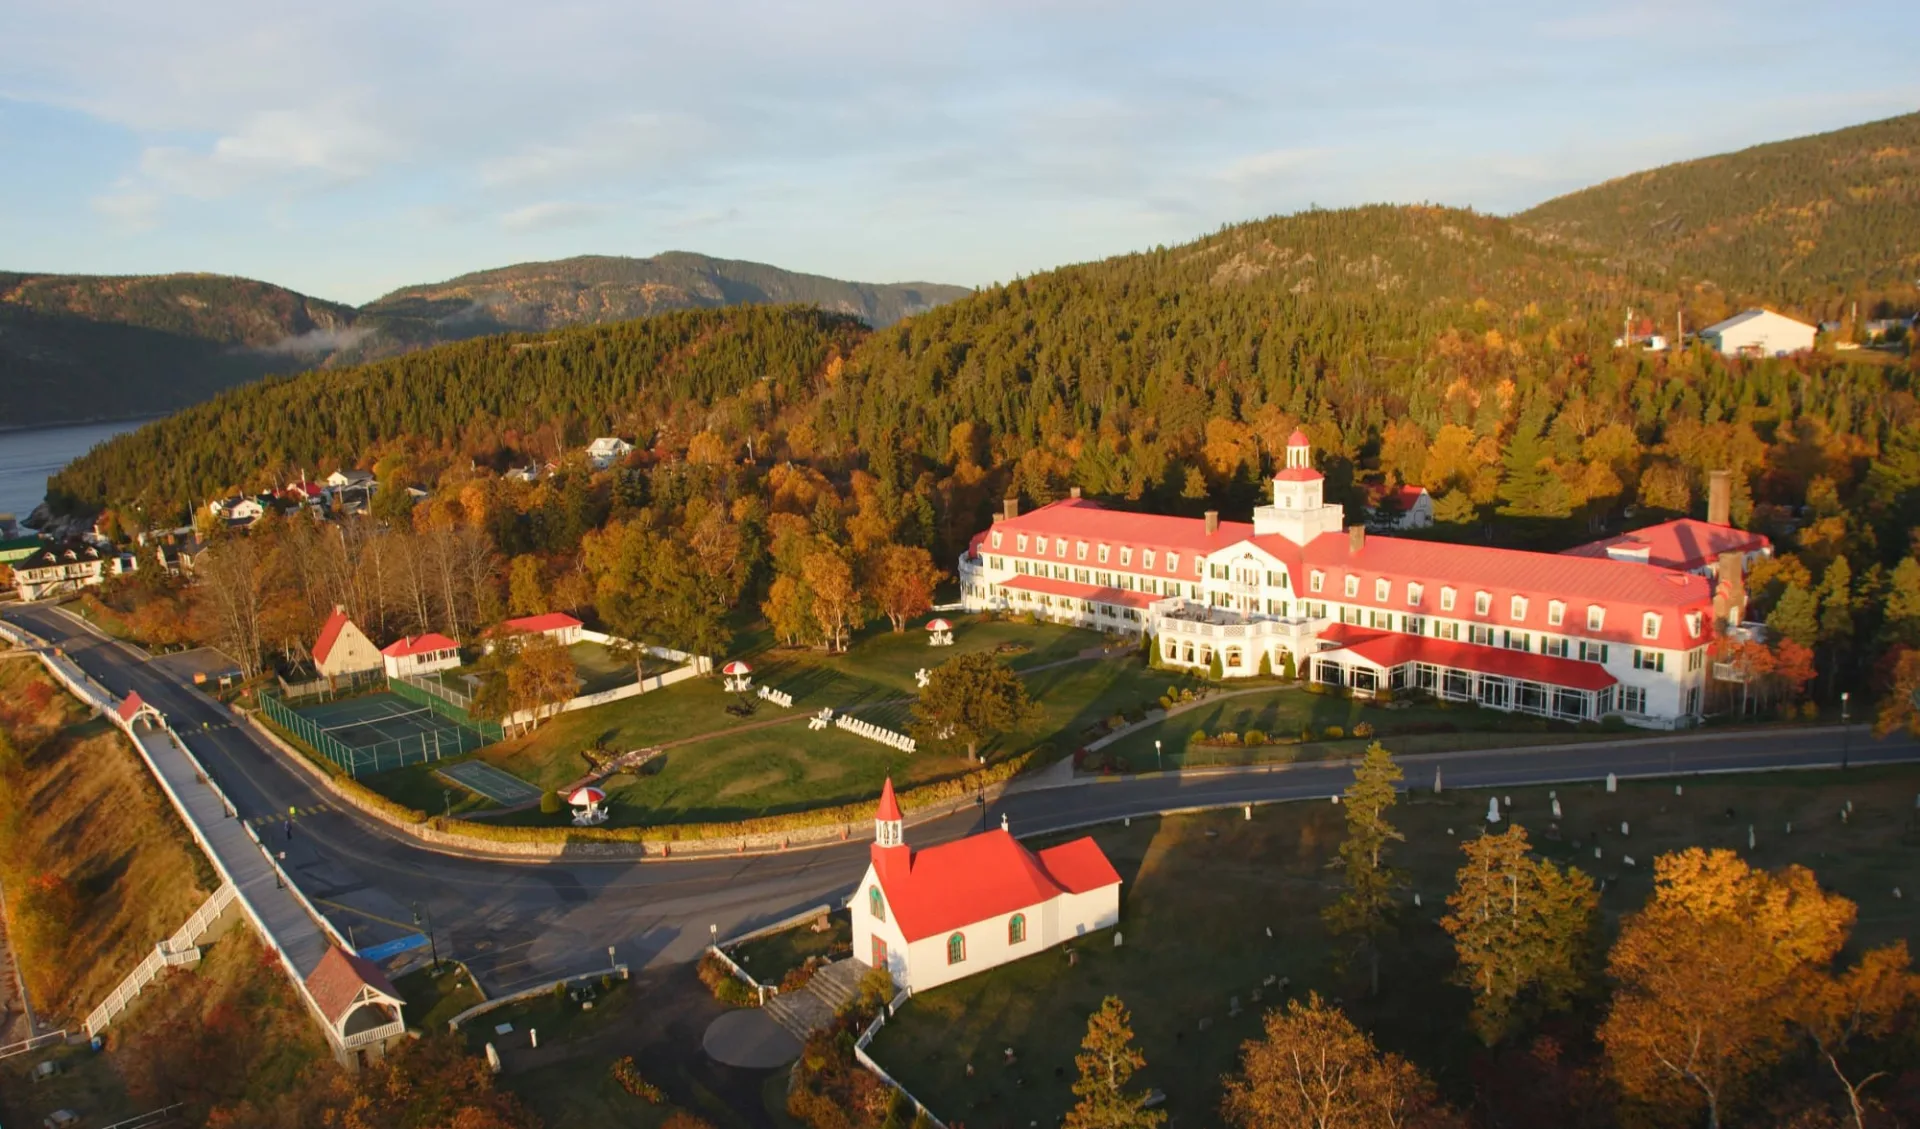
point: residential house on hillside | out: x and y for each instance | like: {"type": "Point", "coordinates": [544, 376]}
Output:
{"type": "Point", "coordinates": [1759, 333]}
{"type": "Point", "coordinates": [933, 915]}
{"type": "Point", "coordinates": [13, 550]}
{"type": "Point", "coordinates": [1555, 636]}
{"type": "Point", "coordinates": [69, 566]}
{"type": "Point", "coordinates": [557, 626]}
{"type": "Point", "coordinates": [607, 450]}
{"type": "Point", "coordinates": [351, 490]}
{"type": "Point", "coordinates": [342, 650]}
{"type": "Point", "coordinates": [1403, 507]}
{"type": "Point", "coordinates": [239, 511]}
{"type": "Point", "coordinates": [420, 654]}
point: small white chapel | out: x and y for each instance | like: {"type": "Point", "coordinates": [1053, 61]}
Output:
{"type": "Point", "coordinates": [935, 915]}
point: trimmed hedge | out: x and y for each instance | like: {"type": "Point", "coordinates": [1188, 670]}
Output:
{"type": "Point", "coordinates": [342, 783]}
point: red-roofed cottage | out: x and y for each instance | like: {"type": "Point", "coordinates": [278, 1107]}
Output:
{"type": "Point", "coordinates": [558, 626]}
{"type": "Point", "coordinates": [420, 654]}
{"type": "Point", "coordinates": [935, 915]}
{"type": "Point", "coordinates": [342, 649]}
{"type": "Point", "coordinates": [1575, 637]}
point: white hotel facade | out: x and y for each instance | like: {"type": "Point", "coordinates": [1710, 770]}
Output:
{"type": "Point", "coordinates": [1569, 637]}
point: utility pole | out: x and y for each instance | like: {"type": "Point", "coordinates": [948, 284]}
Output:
{"type": "Point", "coordinates": [1845, 734]}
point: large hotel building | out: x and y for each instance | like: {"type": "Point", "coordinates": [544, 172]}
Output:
{"type": "Point", "coordinates": [1620, 627]}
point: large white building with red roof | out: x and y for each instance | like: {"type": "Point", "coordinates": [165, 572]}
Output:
{"type": "Point", "coordinates": [342, 649]}
{"type": "Point", "coordinates": [1573, 637]}
{"type": "Point", "coordinates": [934, 915]}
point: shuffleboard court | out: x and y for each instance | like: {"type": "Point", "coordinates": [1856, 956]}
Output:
{"type": "Point", "coordinates": [501, 787]}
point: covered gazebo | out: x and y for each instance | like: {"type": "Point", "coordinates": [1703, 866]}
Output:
{"type": "Point", "coordinates": [359, 1004]}
{"type": "Point", "coordinates": [133, 709]}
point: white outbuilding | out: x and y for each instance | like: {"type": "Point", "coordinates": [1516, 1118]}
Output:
{"type": "Point", "coordinates": [1761, 333]}
{"type": "Point", "coordinates": [935, 915]}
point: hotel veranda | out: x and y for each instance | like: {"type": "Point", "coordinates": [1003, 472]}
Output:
{"type": "Point", "coordinates": [1565, 636]}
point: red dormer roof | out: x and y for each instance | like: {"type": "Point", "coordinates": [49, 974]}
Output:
{"type": "Point", "coordinates": [418, 645]}
{"type": "Point", "coordinates": [1078, 520]}
{"type": "Point", "coordinates": [1626, 591]}
{"type": "Point", "coordinates": [537, 624]}
{"type": "Point", "coordinates": [329, 635]}
{"type": "Point", "coordinates": [937, 890]}
{"type": "Point", "coordinates": [889, 809]}
{"type": "Point", "coordinates": [1685, 544]}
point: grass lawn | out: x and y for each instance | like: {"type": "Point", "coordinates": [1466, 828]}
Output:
{"type": "Point", "coordinates": [1286, 710]}
{"type": "Point", "coordinates": [600, 670]}
{"type": "Point", "coordinates": [790, 767]}
{"type": "Point", "coordinates": [559, 1021]}
{"type": "Point", "coordinates": [435, 995]}
{"type": "Point", "coordinates": [1202, 892]}
{"type": "Point", "coordinates": [582, 1091]}
{"type": "Point", "coordinates": [768, 958]}
{"type": "Point", "coordinates": [87, 1084]}
{"type": "Point", "coordinates": [420, 786]}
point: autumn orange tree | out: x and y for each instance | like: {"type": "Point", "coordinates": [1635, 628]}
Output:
{"type": "Point", "coordinates": [1107, 1062]}
{"type": "Point", "coordinates": [901, 579]}
{"type": "Point", "coordinates": [1707, 977]}
{"type": "Point", "coordinates": [1313, 1069]}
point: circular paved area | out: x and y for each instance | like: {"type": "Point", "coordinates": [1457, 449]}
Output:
{"type": "Point", "coordinates": [748, 1038]}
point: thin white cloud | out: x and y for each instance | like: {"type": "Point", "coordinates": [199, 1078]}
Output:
{"type": "Point", "coordinates": [130, 210]}
{"type": "Point", "coordinates": [552, 215]}
{"type": "Point", "coordinates": [329, 144]}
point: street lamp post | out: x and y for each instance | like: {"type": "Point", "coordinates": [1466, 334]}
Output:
{"type": "Point", "coordinates": [1158, 762]}
{"type": "Point", "coordinates": [1845, 733]}
{"type": "Point", "coordinates": [446, 797]}
{"type": "Point", "coordinates": [432, 944]}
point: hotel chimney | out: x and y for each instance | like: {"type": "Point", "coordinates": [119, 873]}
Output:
{"type": "Point", "coordinates": [1356, 538]}
{"type": "Point", "coordinates": [1013, 506]}
{"type": "Point", "coordinates": [1719, 497]}
{"type": "Point", "coordinates": [1074, 492]}
{"type": "Point", "coordinates": [1213, 522]}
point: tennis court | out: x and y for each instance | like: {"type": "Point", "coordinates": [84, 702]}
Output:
{"type": "Point", "coordinates": [501, 787]}
{"type": "Point", "coordinates": [375, 732]}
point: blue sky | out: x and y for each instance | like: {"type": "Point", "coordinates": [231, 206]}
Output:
{"type": "Point", "coordinates": [350, 147]}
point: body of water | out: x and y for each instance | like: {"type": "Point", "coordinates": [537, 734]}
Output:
{"type": "Point", "coordinates": [28, 457]}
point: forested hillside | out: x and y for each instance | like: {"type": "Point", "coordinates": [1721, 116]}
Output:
{"type": "Point", "coordinates": [76, 347]}
{"type": "Point", "coordinates": [592, 289]}
{"type": "Point", "coordinates": [1812, 223]}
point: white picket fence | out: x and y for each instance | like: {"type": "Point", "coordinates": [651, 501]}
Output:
{"type": "Point", "coordinates": [864, 1059]}
{"type": "Point", "coordinates": [34, 1043]}
{"type": "Point", "coordinates": [874, 732]}
{"type": "Point", "coordinates": [692, 666]}
{"type": "Point", "coordinates": [181, 948]}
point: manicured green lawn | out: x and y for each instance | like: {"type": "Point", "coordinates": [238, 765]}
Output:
{"type": "Point", "coordinates": [1202, 892]}
{"type": "Point", "coordinates": [582, 1092]}
{"type": "Point", "coordinates": [600, 670]}
{"type": "Point", "coordinates": [1287, 710]}
{"type": "Point", "coordinates": [559, 1021]}
{"type": "Point", "coordinates": [421, 787]}
{"type": "Point", "coordinates": [435, 995]}
{"type": "Point", "coordinates": [768, 958]}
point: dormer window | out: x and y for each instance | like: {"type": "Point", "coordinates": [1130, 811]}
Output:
{"type": "Point", "coordinates": [1040, 545]}
{"type": "Point", "coordinates": [1173, 562]}
{"type": "Point", "coordinates": [1146, 558]}
{"type": "Point", "coordinates": [1382, 590]}
{"type": "Point", "coordinates": [1596, 617]}
{"type": "Point", "coordinates": [1080, 551]}
{"type": "Point", "coordinates": [1446, 599]}
{"type": "Point", "coordinates": [1199, 566]}
{"type": "Point", "coordinates": [1482, 603]}
{"type": "Point", "coordinates": [1414, 593]}
{"type": "Point", "coordinates": [1020, 542]}
{"type": "Point", "coordinates": [1103, 554]}
{"type": "Point", "coordinates": [1518, 609]}
{"type": "Point", "coordinates": [1316, 580]}
{"type": "Point", "coordinates": [1556, 613]}
{"type": "Point", "coordinates": [1060, 548]}
{"type": "Point", "coordinates": [1352, 587]}
{"type": "Point", "coordinates": [1650, 626]}
{"type": "Point", "coordinates": [1693, 625]}
{"type": "Point", "coordinates": [1126, 556]}
{"type": "Point", "coordinates": [996, 540]}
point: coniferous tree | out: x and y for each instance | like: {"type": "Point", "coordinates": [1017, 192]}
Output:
{"type": "Point", "coordinates": [1364, 910]}
{"type": "Point", "coordinates": [1107, 1062]}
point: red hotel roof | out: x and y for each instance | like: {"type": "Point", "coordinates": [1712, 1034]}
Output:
{"type": "Point", "coordinates": [329, 635]}
{"type": "Point", "coordinates": [1081, 520]}
{"type": "Point", "coordinates": [981, 877]}
{"type": "Point", "coordinates": [1391, 649]}
{"type": "Point", "coordinates": [1685, 544]}
{"type": "Point", "coordinates": [419, 645]}
{"type": "Point", "coordinates": [548, 621]}
{"type": "Point", "coordinates": [1047, 585]}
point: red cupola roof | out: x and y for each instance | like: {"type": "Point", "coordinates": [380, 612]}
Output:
{"type": "Point", "coordinates": [889, 809]}
{"type": "Point", "coordinates": [1298, 439]}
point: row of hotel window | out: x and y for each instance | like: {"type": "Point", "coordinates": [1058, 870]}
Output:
{"type": "Point", "coordinates": [956, 944]}
{"type": "Point", "coordinates": [1517, 606]}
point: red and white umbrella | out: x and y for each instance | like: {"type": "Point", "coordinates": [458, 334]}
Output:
{"type": "Point", "coordinates": [587, 797]}
{"type": "Point", "coordinates": [736, 668]}
{"type": "Point", "coordinates": [939, 625]}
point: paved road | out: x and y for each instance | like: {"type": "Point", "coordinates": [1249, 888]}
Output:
{"type": "Point", "coordinates": [522, 923]}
